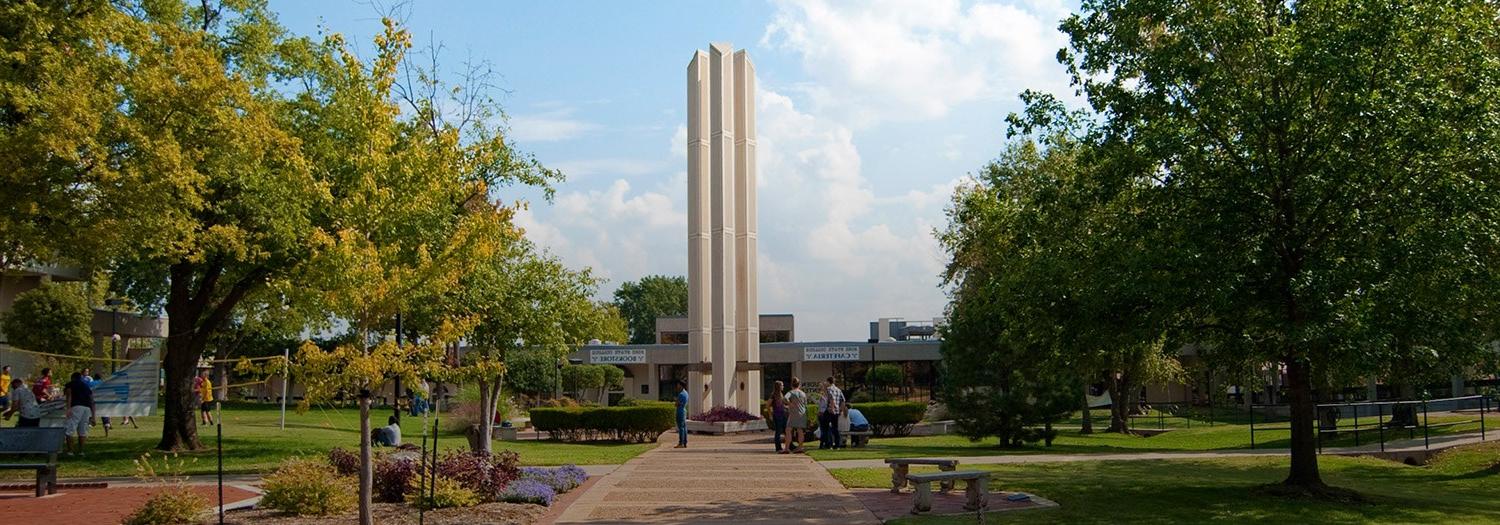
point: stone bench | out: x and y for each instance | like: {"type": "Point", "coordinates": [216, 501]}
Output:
{"type": "Point", "coordinates": [976, 488]}
{"type": "Point", "coordinates": [900, 467]}
{"type": "Point", "coordinates": [43, 442]}
{"type": "Point", "coordinates": [857, 438]}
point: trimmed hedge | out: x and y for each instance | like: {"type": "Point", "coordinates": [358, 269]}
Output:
{"type": "Point", "coordinates": [625, 423]}
{"type": "Point", "coordinates": [892, 418]}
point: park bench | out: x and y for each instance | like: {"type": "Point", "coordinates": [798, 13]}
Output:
{"type": "Point", "coordinates": [33, 442]}
{"type": "Point", "coordinates": [976, 488]}
{"type": "Point", "coordinates": [857, 438]}
{"type": "Point", "coordinates": [900, 467]}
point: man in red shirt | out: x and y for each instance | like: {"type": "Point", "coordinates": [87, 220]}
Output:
{"type": "Point", "coordinates": [42, 387]}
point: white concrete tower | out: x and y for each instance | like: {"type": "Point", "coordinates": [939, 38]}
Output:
{"type": "Point", "coordinates": [722, 300]}
{"type": "Point", "coordinates": [699, 249]}
{"type": "Point", "coordinates": [747, 308]}
{"type": "Point", "coordinates": [721, 192]}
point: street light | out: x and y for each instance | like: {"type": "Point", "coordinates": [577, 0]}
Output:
{"type": "Point", "coordinates": [114, 331]}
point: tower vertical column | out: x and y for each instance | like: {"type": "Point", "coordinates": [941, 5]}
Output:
{"type": "Point", "coordinates": [747, 309]}
{"type": "Point", "coordinates": [699, 249]}
{"type": "Point", "coordinates": [721, 184]}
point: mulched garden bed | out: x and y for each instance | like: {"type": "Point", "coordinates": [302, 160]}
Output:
{"type": "Point", "coordinates": [397, 513]}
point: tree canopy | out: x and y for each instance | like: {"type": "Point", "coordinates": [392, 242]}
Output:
{"type": "Point", "coordinates": [1308, 184]}
{"type": "Point", "coordinates": [641, 302]}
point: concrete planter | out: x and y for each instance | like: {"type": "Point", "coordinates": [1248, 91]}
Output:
{"type": "Point", "coordinates": [726, 427]}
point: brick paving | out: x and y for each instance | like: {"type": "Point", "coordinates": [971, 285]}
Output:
{"type": "Point", "coordinates": [97, 505]}
{"type": "Point", "coordinates": [886, 505]}
{"type": "Point", "coordinates": [725, 479]}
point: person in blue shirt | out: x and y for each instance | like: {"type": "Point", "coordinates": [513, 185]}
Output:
{"type": "Point", "coordinates": [857, 421]}
{"type": "Point", "coordinates": [682, 401]}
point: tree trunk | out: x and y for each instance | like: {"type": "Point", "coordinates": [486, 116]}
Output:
{"type": "Point", "coordinates": [1120, 385]}
{"type": "Point", "coordinates": [1304, 472]}
{"type": "Point", "coordinates": [486, 417]}
{"type": "Point", "coordinates": [179, 429]}
{"type": "Point", "coordinates": [1088, 420]}
{"type": "Point", "coordinates": [366, 469]}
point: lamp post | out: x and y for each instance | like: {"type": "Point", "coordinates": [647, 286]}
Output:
{"type": "Point", "coordinates": [114, 332]}
{"type": "Point", "coordinates": [558, 376]}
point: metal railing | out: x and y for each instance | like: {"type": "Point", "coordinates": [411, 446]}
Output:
{"type": "Point", "coordinates": [1388, 416]}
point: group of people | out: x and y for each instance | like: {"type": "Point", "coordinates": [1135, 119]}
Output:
{"type": "Point", "coordinates": [78, 393]}
{"type": "Point", "coordinates": [789, 416]}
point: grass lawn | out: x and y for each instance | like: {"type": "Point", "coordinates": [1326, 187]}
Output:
{"type": "Point", "coordinates": [1200, 437]}
{"type": "Point", "coordinates": [1460, 486]}
{"type": "Point", "coordinates": [254, 442]}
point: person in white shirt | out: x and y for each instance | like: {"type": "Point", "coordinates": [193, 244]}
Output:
{"type": "Point", "coordinates": [23, 401]}
{"type": "Point", "coordinates": [389, 435]}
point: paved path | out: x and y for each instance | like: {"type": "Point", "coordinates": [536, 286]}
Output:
{"type": "Point", "coordinates": [1405, 445]}
{"type": "Point", "coordinates": [718, 479]}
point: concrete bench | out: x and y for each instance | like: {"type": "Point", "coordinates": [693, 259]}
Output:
{"type": "Point", "coordinates": [41, 442]}
{"type": "Point", "coordinates": [857, 438]}
{"type": "Point", "coordinates": [976, 488]}
{"type": "Point", "coordinates": [900, 467]}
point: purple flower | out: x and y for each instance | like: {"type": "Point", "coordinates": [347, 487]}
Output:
{"type": "Point", "coordinates": [527, 490]}
{"type": "Point", "coordinates": [722, 414]}
{"type": "Point", "coordinates": [561, 479]}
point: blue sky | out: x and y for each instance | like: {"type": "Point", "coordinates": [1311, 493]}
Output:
{"type": "Point", "coordinates": [869, 114]}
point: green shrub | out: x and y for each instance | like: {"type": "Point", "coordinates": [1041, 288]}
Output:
{"type": "Point", "coordinates": [307, 487]}
{"type": "Point", "coordinates": [176, 506]}
{"type": "Point", "coordinates": [443, 494]}
{"type": "Point", "coordinates": [892, 418]}
{"type": "Point", "coordinates": [883, 377]}
{"type": "Point", "coordinates": [638, 423]}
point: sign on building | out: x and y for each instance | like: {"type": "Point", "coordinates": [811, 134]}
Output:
{"type": "Point", "coordinates": [830, 353]}
{"type": "Point", "coordinates": [617, 356]}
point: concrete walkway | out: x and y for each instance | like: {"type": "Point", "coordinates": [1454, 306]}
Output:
{"type": "Point", "coordinates": [735, 479]}
{"type": "Point", "coordinates": [1391, 448]}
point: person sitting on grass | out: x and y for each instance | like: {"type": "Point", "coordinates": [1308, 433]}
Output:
{"type": "Point", "coordinates": [389, 435]}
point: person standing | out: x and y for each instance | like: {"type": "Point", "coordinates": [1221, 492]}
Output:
{"type": "Point", "coordinates": [80, 412]}
{"type": "Point", "coordinates": [828, 420]}
{"type": "Point", "coordinates": [205, 389]}
{"type": "Point", "coordinates": [682, 402]}
{"type": "Point", "coordinates": [796, 416]}
{"type": "Point", "coordinates": [22, 401]}
{"type": "Point", "coordinates": [778, 413]}
{"type": "Point", "coordinates": [5, 386]}
{"type": "Point", "coordinates": [42, 387]}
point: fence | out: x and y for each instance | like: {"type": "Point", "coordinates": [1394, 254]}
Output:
{"type": "Point", "coordinates": [1382, 418]}
{"type": "Point", "coordinates": [1161, 412]}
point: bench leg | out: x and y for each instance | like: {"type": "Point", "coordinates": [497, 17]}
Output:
{"type": "Point", "coordinates": [52, 480]}
{"type": "Point", "coordinates": [898, 478]}
{"type": "Point", "coordinates": [922, 501]}
{"type": "Point", "coordinates": [947, 485]}
{"type": "Point", "coordinates": [978, 493]}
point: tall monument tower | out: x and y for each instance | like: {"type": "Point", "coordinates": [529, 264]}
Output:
{"type": "Point", "coordinates": [723, 313]}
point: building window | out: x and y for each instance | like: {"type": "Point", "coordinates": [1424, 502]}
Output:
{"type": "Point", "coordinates": [776, 336]}
{"type": "Point", "coordinates": [673, 338]}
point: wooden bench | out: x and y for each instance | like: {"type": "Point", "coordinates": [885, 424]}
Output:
{"type": "Point", "coordinates": [900, 467]}
{"type": "Point", "coordinates": [857, 438]}
{"type": "Point", "coordinates": [34, 442]}
{"type": "Point", "coordinates": [976, 488]}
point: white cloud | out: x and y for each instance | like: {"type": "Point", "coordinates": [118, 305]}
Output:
{"type": "Point", "coordinates": [552, 125]}
{"type": "Point", "coordinates": [609, 166]}
{"type": "Point", "coordinates": [905, 60]}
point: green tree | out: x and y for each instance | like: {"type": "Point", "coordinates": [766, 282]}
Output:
{"type": "Point", "coordinates": [53, 318]}
{"type": "Point", "coordinates": [524, 302]}
{"type": "Point", "coordinates": [1321, 172]}
{"type": "Point", "coordinates": [883, 377]}
{"type": "Point", "coordinates": [641, 302]}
